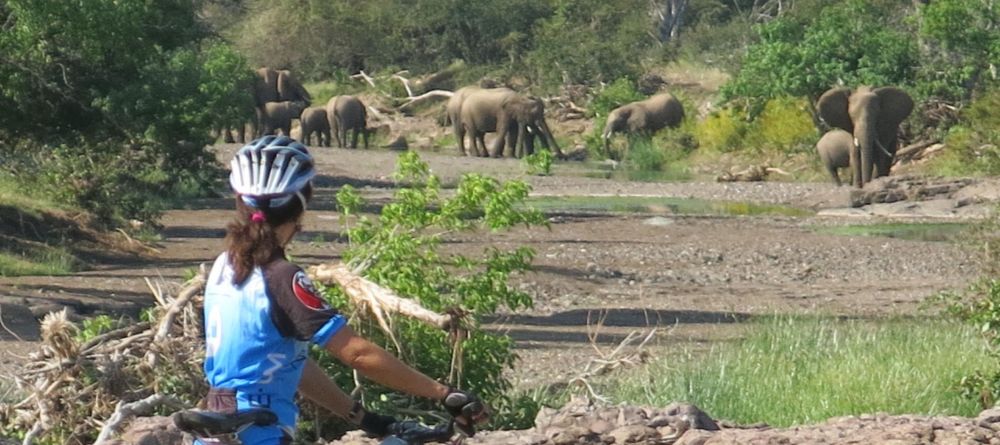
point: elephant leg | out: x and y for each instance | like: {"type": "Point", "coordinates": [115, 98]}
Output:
{"type": "Point", "coordinates": [365, 134]}
{"type": "Point", "coordinates": [354, 138]}
{"type": "Point", "coordinates": [834, 175]}
{"type": "Point", "coordinates": [324, 138]}
{"type": "Point", "coordinates": [459, 130]}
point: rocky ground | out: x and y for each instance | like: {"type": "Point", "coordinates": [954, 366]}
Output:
{"type": "Point", "coordinates": [700, 275]}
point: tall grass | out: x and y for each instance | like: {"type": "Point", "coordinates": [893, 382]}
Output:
{"type": "Point", "coordinates": [800, 370]}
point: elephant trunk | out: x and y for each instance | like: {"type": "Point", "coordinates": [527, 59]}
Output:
{"type": "Point", "coordinates": [864, 135]}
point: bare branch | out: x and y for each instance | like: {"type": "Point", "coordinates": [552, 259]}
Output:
{"type": "Point", "coordinates": [365, 77]}
{"type": "Point", "coordinates": [428, 95]}
{"type": "Point", "coordinates": [126, 411]}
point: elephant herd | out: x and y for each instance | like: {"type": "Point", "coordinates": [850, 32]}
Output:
{"type": "Point", "coordinates": [279, 98]}
{"type": "Point", "coordinates": [863, 137]}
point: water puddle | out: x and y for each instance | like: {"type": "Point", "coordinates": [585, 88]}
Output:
{"type": "Point", "coordinates": [659, 205]}
{"type": "Point", "coordinates": [940, 232]}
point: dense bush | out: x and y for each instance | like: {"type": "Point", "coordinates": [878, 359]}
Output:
{"type": "Point", "coordinates": [853, 42]}
{"type": "Point", "coordinates": [118, 97]}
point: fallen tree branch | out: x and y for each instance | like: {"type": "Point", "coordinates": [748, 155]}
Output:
{"type": "Point", "coordinates": [428, 95]}
{"type": "Point", "coordinates": [126, 411]}
{"type": "Point", "coordinates": [194, 287]}
{"type": "Point", "coordinates": [367, 294]}
{"type": "Point", "coordinates": [365, 77]}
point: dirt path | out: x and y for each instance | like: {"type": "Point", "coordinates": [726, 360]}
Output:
{"type": "Point", "coordinates": [698, 275]}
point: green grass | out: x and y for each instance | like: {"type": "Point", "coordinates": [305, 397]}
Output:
{"type": "Point", "coordinates": [947, 232]}
{"type": "Point", "coordinates": [801, 370]}
{"type": "Point", "coordinates": [635, 204]}
{"type": "Point", "coordinates": [50, 261]}
{"type": "Point", "coordinates": [30, 258]}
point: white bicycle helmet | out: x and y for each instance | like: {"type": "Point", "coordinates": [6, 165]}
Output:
{"type": "Point", "coordinates": [271, 170]}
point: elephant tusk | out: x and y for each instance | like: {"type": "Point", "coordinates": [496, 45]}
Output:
{"type": "Point", "coordinates": [882, 147]}
{"type": "Point", "coordinates": [856, 143]}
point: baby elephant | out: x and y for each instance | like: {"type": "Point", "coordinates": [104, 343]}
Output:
{"type": "Point", "coordinates": [835, 151]}
{"type": "Point", "coordinates": [313, 120]}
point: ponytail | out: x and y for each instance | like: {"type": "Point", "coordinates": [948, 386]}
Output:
{"type": "Point", "coordinates": [251, 240]}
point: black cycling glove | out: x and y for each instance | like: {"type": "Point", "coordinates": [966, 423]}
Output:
{"type": "Point", "coordinates": [376, 425]}
{"type": "Point", "coordinates": [466, 408]}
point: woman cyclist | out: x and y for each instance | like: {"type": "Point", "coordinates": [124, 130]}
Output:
{"type": "Point", "coordinates": [262, 312]}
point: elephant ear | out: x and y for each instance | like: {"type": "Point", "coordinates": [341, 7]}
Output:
{"type": "Point", "coordinates": [832, 108]}
{"type": "Point", "coordinates": [896, 106]}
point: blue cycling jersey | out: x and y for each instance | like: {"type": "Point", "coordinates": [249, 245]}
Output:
{"type": "Point", "coordinates": [246, 353]}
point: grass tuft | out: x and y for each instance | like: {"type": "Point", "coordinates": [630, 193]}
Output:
{"type": "Point", "coordinates": [801, 370]}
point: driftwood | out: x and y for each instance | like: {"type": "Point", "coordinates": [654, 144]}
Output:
{"type": "Point", "coordinates": [914, 151]}
{"type": "Point", "coordinates": [754, 173]}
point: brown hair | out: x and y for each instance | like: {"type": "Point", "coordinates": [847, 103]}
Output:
{"type": "Point", "coordinates": [251, 243]}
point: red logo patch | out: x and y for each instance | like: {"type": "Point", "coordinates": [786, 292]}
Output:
{"type": "Point", "coordinates": [306, 293]}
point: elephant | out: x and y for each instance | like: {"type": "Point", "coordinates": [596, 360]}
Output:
{"type": "Point", "coordinates": [272, 85]}
{"type": "Point", "coordinates": [645, 116]}
{"type": "Point", "coordinates": [347, 113]}
{"type": "Point", "coordinates": [279, 116]}
{"type": "Point", "coordinates": [314, 120]}
{"type": "Point", "coordinates": [513, 116]}
{"type": "Point", "coordinates": [453, 112]}
{"type": "Point", "coordinates": [290, 89]}
{"type": "Point", "coordinates": [872, 116]}
{"type": "Point", "coordinates": [835, 151]}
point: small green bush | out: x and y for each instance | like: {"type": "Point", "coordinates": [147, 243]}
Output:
{"type": "Point", "coordinates": [973, 147]}
{"type": "Point", "coordinates": [399, 249]}
{"type": "Point", "coordinates": [784, 126]}
{"type": "Point", "coordinates": [538, 163]}
{"type": "Point", "coordinates": [722, 131]}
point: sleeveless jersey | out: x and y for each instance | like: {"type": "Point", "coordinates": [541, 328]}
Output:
{"type": "Point", "coordinates": [257, 337]}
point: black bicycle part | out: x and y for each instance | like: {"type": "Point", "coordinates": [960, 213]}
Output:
{"type": "Point", "coordinates": [410, 432]}
{"type": "Point", "coordinates": [209, 423]}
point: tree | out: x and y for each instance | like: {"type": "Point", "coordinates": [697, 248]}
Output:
{"type": "Point", "coordinates": [852, 43]}
{"type": "Point", "coordinates": [119, 96]}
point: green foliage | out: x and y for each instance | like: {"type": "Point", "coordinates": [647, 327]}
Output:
{"type": "Point", "coordinates": [590, 41]}
{"type": "Point", "coordinates": [538, 163]}
{"type": "Point", "coordinates": [973, 146]}
{"type": "Point", "coordinates": [964, 46]}
{"type": "Point", "coordinates": [383, 34]}
{"type": "Point", "coordinates": [854, 42]}
{"type": "Point", "coordinates": [147, 94]}
{"type": "Point", "coordinates": [791, 371]}
{"type": "Point", "coordinates": [401, 250]}
{"type": "Point", "coordinates": [784, 126]}
{"type": "Point", "coordinates": [721, 131]}
{"type": "Point", "coordinates": [92, 327]}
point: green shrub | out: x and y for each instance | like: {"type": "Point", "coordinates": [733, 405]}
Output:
{"type": "Point", "coordinates": [722, 131]}
{"type": "Point", "coordinates": [538, 163]}
{"type": "Point", "coordinates": [784, 126]}
{"type": "Point", "coordinates": [400, 250]}
{"type": "Point", "coordinates": [973, 147]}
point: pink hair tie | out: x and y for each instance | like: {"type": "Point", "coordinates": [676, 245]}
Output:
{"type": "Point", "coordinates": [258, 217]}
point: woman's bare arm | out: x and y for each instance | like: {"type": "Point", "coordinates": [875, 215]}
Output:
{"type": "Point", "coordinates": [384, 368]}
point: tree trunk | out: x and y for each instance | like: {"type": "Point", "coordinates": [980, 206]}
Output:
{"type": "Point", "coordinates": [669, 16]}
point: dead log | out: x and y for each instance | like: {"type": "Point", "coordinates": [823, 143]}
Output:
{"type": "Point", "coordinates": [913, 150]}
{"type": "Point", "coordinates": [379, 300]}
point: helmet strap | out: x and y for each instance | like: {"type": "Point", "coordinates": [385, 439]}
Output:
{"type": "Point", "coordinates": [302, 199]}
